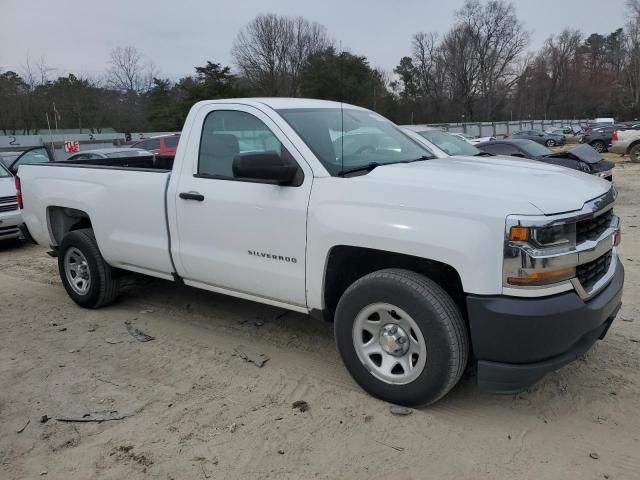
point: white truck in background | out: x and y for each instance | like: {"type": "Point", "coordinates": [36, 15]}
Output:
{"type": "Point", "coordinates": [626, 142]}
{"type": "Point", "coordinates": [10, 216]}
{"type": "Point", "coordinates": [424, 264]}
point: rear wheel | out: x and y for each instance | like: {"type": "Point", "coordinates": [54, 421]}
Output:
{"type": "Point", "coordinates": [599, 146]}
{"type": "Point", "coordinates": [401, 337]}
{"type": "Point", "coordinates": [634, 153]}
{"type": "Point", "coordinates": [86, 277]}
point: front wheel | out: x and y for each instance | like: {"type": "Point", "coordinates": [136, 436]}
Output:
{"type": "Point", "coordinates": [401, 337]}
{"type": "Point", "coordinates": [87, 278]}
{"type": "Point", "coordinates": [550, 143]}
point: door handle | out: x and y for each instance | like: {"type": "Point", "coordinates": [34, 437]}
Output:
{"type": "Point", "coordinates": [198, 197]}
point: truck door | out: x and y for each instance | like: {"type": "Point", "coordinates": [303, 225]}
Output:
{"type": "Point", "coordinates": [242, 236]}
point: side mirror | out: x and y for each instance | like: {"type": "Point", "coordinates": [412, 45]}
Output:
{"type": "Point", "coordinates": [268, 167]}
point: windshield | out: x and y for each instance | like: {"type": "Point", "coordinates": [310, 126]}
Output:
{"type": "Point", "coordinates": [534, 149]}
{"type": "Point", "coordinates": [450, 144]}
{"type": "Point", "coordinates": [358, 138]}
{"type": "Point", "coordinates": [35, 155]}
{"type": "Point", "coordinates": [4, 173]}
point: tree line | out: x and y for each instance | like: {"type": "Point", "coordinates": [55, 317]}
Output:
{"type": "Point", "coordinates": [481, 69]}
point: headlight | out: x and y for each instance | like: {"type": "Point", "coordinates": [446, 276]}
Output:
{"type": "Point", "coordinates": [533, 255]}
{"type": "Point", "coordinates": [555, 236]}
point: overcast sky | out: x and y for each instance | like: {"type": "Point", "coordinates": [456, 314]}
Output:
{"type": "Point", "coordinates": [76, 36]}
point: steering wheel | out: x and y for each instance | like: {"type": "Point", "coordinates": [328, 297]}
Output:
{"type": "Point", "coordinates": [365, 148]}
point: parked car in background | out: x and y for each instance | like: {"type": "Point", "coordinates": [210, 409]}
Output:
{"type": "Point", "coordinates": [163, 145]}
{"type": "Point", "coordinates": [565, 130]}
{"type": "Point", "coordinates": [470, 138]}
{"type": "Point", "coordinates": [31, 155]}
{"type": "Point", "coordinates": [600, 138]}
{"type": "Point", "coordinates": [445, 143]}
{"type": "Point", "coordinates": [7, 158]}
{"type": "Point", "coordinates": [547, 139]}
{"type": "Point", "coordinates": [582, 157]}
{"type": "Point", "coordinates": [626, 142]}
{"type": "Point", "coordinates": [10, 215]}
{"type": "Point", "coordinates": [109, 153]}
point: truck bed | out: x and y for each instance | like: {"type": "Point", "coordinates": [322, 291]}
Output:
{"type": "Point", "coordinates": [125, 201]}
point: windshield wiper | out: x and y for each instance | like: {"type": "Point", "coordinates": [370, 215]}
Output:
{"type": "Point", "coordinates": [483, 154]}
{"type": "Point", "coordinates": [372, 165]}
{"type": "Point", "coordinates": [362, 168]}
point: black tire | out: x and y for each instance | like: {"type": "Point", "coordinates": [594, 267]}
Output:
{"type": "Point", "coordinates": [599, 146]}
{"type": "Point", "coordinates": [634, 153]}
{"type": "Point", "coordinates": [550, 143]}
{"type": "Point", "coordinates": [104, 285]}
{"type": "Point", "coordinates": [436, 315]}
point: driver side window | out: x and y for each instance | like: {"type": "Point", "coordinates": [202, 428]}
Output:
{"type": "Point", "coordinates": [228, 133]}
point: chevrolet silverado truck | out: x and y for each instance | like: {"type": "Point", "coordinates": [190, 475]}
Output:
{"type": "Point", "coordinates": [424, 264]}
{"type": "Point", "coordinates": [626, 142]}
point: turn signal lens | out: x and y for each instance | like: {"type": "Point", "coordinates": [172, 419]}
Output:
{"type": "Point", "coordinates": [519, 234]}
{"type": "Point", "coordinates": [543, 278]}
{"type": "Point", "coordinates": [617, 238]}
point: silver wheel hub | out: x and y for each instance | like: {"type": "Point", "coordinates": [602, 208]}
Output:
{"type": "Point", "coordinates": [394, 340]}
{"type": "Point", "coordinates": [76, 270]}
{"type": "Point", "coordinates": [389, 343]}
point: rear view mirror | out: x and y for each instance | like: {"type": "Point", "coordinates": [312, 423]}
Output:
{"type": "Point", "coordinates": [267, 167]}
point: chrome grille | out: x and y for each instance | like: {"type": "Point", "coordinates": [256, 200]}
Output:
{"type": "Point", "coordinates": [593, 227]}
{"type": "Point", "coordinates": [589, 273]}
{"type": "Point", "coordinates": [8, 208]}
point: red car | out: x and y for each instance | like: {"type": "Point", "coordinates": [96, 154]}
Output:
{"type": "Point", "coordinates": [162, 146]}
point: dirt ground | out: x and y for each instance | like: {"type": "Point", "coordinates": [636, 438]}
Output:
{"type": "Point", "coordinates": [198, 411]}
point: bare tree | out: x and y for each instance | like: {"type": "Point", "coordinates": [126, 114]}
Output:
{"type": "Point", "coordinates": [462, 68]}
{"type": "Point", "coordinates": [498, 38]}
{"type": "Point", "coordinates": [632, 70]}
{"type": "Point", "coordinates": [36, 73]}
{"type": "Point", "coordinates": [559, 53]}
{"type": "Point", "coordinates": [431, 69]}
{"type": "Point", "coordinates": [129, 71]}
{"type": "Point", "coordinates": [272, 50]}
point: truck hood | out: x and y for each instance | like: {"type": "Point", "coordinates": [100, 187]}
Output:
{"type": "Point", "coordinates": [549, 188]}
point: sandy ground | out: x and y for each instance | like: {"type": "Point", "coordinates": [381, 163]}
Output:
{"type": "Point", "coordinates": [198, 411]}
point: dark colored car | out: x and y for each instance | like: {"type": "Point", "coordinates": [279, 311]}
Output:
{"type": "Point", "coordinates": [548, 139]}
{"type": "Point", "coordinates": [582, 157]}
{"type": "Point", "coordinates": [162, 146]}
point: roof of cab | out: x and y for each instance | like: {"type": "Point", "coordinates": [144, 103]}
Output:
{"type": "Point", "coordinates": [282, 103]}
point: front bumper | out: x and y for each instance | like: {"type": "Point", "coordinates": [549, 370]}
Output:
{"type": "Point", "coordinates": [618, 148]}
{"type": "Point", "coordinates": [518, 340]}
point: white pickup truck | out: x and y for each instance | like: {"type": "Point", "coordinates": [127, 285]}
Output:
{"type": "Point", "coordinates": [626, 142]}
{"type": "Point", "coordinates": [424, 264]}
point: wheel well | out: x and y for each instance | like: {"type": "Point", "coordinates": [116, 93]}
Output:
{"type": "Point", "coordinates": [633, 144]}
{"type": "Point", "coordinates": [347, 264]}
{"type": "Point", "coordinates": [62, 220]}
